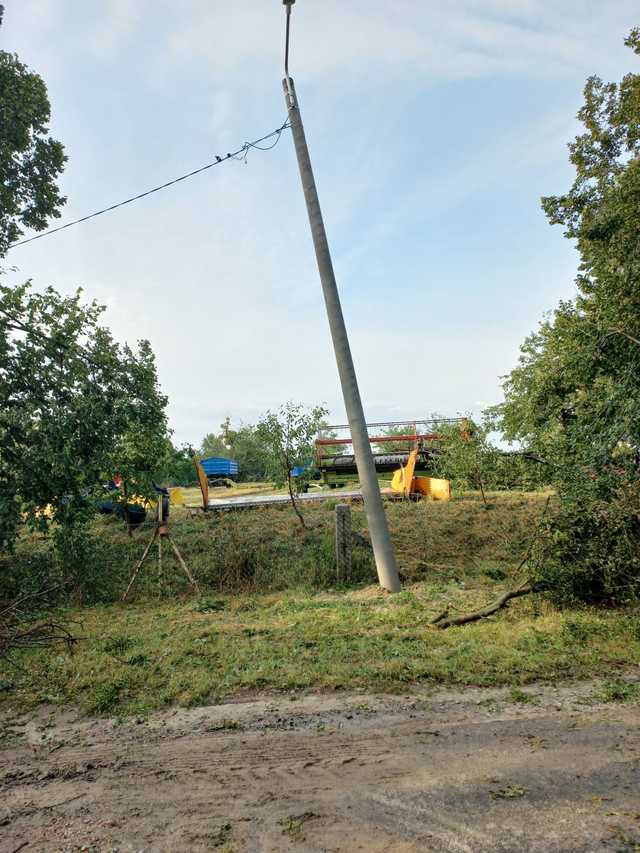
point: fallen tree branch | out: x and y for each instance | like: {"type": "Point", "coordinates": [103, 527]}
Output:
{"type": "Point", "coordinates": [19, 628]}
{"type": "Point", "coordinates": [440, 616]}
{"type": "Point", "coordinates": [443, 620]}
{"type": "Point", "coordinates": [15, 605]}
{"type": "Point", "coordinates": [13, 637]}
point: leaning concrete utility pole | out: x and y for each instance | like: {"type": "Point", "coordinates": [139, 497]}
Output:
{"type": "Point", "coordinates": [376, 519]}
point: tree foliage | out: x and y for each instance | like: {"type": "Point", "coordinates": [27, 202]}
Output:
{"type": "Point", "coordinates": [213, 444]}
{"type": "Point", "coordinates": [30, 160]}
{"type": "Point", "coordinates": [175, 466]}
{"type": "Point", "coordinates": [76, 408]}
{"type": "Point", "coordinates": [574, 397]}
{"type": "Point", "coordinates": [468, 456]}
{"type": "Point", "coordinates": [242, 443]}
{"type": "Point", "coordinates": [288, 435]}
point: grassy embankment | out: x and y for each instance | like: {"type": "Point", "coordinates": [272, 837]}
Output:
{"type": "Point", "coordinates": [271, 616]}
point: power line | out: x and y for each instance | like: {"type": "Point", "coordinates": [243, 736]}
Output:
{"type": "Point", "coordinates": [240, 154]}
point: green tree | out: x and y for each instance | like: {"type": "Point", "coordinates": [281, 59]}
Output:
{"type": "Point", "coordinates": [175, 467]}
{"type": "Point", "coordinates": [213, 445]}
{"type": "Point", "coordinates": [393, 446]}
{"type": "Point", "coordinates": [139, 439]}
{"type": "Point", "coordinates": [288, 437]}
{"type": "Point", "coordinates": [30, 160]}
{"type": "Point", "coordinates": [574, 398]}
{"type": "Point", "coordinates": [75, 409]}
{"type": "Point", "coordinates": [247, 448]}
{"type": "Point", "coordinates": [467, 457]}
{"type": "Point", "coordinates": [242, 443]}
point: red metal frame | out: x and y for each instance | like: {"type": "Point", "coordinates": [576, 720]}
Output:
{"type": "Point", "coordinates": [432, 436]}
{"type": "Point", "coordinates": [414, 438]}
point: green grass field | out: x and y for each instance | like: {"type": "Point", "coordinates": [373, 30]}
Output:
{"type": "Point", "coordinates": [272, 617]}
{"type": "Point", "coordinates": [137, 658]}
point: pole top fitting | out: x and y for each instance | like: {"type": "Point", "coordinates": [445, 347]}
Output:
{"type": "Point", "coordinates": [288, 2]}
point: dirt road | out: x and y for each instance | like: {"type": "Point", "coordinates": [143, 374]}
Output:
{"type": "Point", "coordinates": [472, 770]}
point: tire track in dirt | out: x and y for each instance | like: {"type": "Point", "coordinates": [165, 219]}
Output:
{"type": "Point", "coordinates": [451, 777]}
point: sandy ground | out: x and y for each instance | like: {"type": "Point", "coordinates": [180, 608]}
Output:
{"type": "Point", "coordinates": [458, 771]}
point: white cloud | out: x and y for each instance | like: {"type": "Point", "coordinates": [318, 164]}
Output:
{"type": "Point", "coordinates": [117, 22]}
{"type": "Point", "coordinates": [456, 40]}
{"type": "Point", "coordinates": [220, 274]}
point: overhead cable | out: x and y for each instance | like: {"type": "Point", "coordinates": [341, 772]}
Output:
{"type": "Point", "coordinates": [240, 154]}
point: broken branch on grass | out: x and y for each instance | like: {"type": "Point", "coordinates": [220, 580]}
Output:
{"type": "Point", "coordinates": [14, 637]}
{"type": "Point", "coordinates": [17, 633]}
{"type": "Point", "coordinates": [13, 605]}
{"type": "Point", "coordinates": [443, 620]}
{"type": "Point", "coordinates": [440, 616]}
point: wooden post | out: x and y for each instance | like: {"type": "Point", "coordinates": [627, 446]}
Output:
{"type": "Point", "coordinates": [160, 526]}
{"type": "Point", "coordinates": [343, 542]}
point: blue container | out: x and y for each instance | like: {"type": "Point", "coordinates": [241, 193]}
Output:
{"type": "Point", "coordinates": [218, 466]}
{"type": "Point", "coordinates": [299, 470]}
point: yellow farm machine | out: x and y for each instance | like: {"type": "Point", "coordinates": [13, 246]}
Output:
{"type": "Point", "coordinates": [401, 448]}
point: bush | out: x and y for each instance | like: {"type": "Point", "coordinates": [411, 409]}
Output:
{"type": "Point", "coordinates": [590, 551]}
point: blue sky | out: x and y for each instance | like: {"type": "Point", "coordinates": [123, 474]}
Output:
{"type": "Point", "coordinates": [434, 129]}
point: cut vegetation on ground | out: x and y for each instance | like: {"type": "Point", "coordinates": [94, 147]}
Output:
{"type": "Point", "coordinates": [287, 627]}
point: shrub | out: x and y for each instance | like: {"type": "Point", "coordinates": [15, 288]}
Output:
{"type": "Point", "coordinates": [590, 551]}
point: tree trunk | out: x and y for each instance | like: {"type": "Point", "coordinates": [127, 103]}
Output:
{"type": "Point", "coordinates": [481, 484]}
{"type": "Point", "coordinates": [293, 502]}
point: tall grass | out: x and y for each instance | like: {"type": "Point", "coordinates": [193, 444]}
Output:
{"type": "Point", "coordinates": [262, 550]}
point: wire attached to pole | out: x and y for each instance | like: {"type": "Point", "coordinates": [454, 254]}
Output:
{"type": "Point", "coordinates": [240, 154]}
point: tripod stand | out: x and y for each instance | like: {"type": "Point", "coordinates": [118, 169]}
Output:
{"type": "Point", "coordinates": [160, 532]}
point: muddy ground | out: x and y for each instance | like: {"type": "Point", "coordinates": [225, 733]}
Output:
{"type": "Point", "coordinates": [471, 770]}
